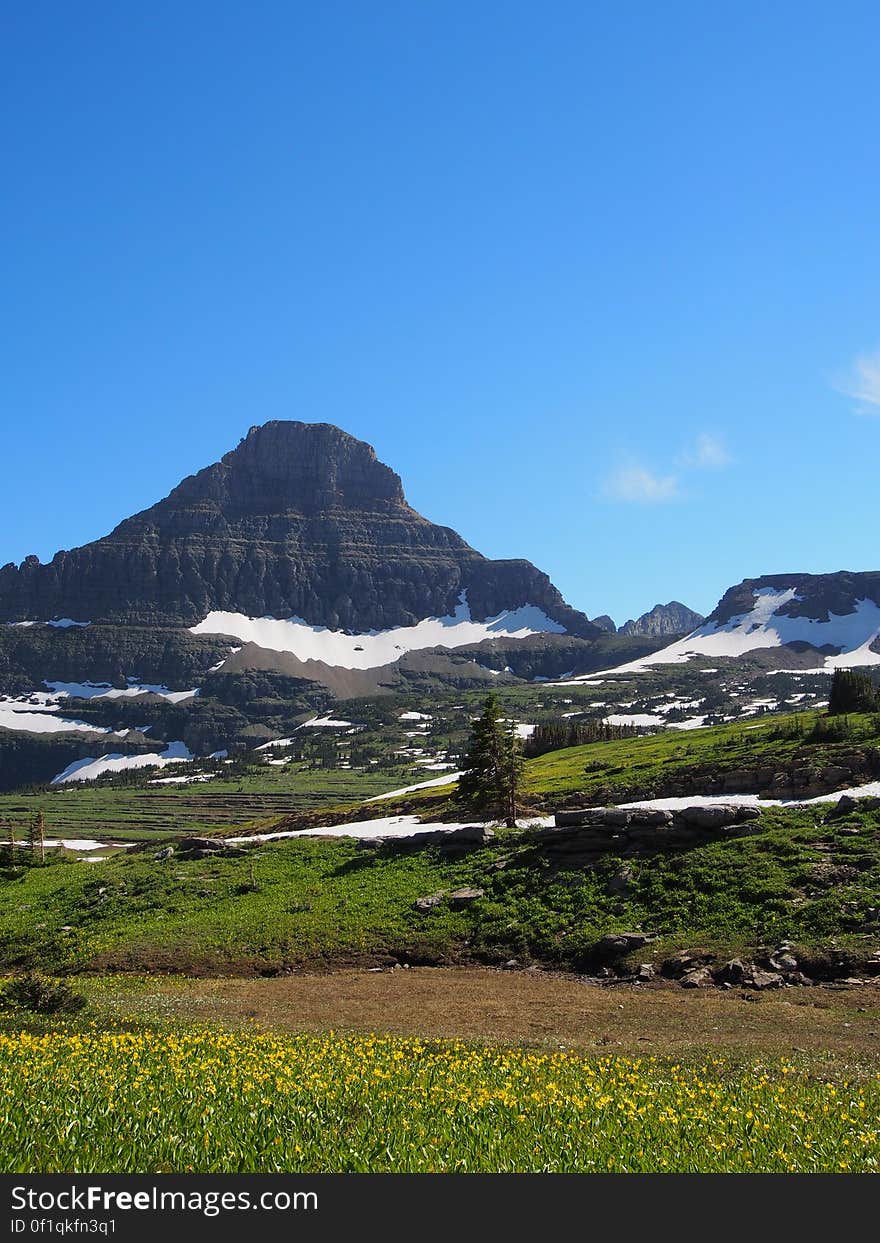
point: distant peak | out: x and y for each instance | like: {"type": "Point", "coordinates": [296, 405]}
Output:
{"type": "Point", "coordinates": [664, 619]}
{"type": "Point", "coordinates": [604, 622]}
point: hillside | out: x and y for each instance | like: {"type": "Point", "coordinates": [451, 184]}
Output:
{"type": "Point", "coordinates": [793, 876]}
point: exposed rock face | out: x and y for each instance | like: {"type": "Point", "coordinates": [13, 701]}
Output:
{"type": "Point", "coordinates": [300, 519]}
{"type": "Point", "coordinates": [604, 622]}
{"type": "Point", "coordinates": [817, 596]}
{"type": "Point", "coordinates": [664, 619]}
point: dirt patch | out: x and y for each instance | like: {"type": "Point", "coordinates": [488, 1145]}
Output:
{"type": "Point", "coordinates": [529, 1007]}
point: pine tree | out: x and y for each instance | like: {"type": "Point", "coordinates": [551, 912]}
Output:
{"type": "Point", "coordinates": [512, 766]}
{"type": "Point", "coordinates": [493, 765]}
{"type": "Point", "coordinates": [37, 837]}
{"type": "Point", "coordinates": [852, 692]}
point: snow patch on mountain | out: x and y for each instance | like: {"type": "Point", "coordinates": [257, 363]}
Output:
{"type": "Point", "coordinates": [103, 690]}
{"type": "Point", "coordinates": [90, 768]}
{"type": "Point", "coordinates": [764, 626]}
{"type": "Point", "coordinates": [421, 785]}
{"type": "Point", "coordinates": [38, 715]}
{"type": "Point", "coordinates": [644, 720]}
{"type": "Point", "coordinates": [376, 647]}
{"type": "Point", "coordinates": [60, 623]}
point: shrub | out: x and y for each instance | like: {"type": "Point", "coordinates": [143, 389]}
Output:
{"type": "Point", "coordinates": [41, 995]}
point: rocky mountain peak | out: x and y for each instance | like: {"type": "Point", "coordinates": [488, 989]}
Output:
{"type": "Point", "coordinates": [286, 468]}
{"type": "Point", "coordinates": [673, 618]}
{"type": "Point", "coordinates": [604, 622]}
{"type": "Point", "coordinates": [299, 520]}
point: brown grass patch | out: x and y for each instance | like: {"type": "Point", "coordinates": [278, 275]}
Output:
{"type": "Point", "coordinates": [528, 1007]}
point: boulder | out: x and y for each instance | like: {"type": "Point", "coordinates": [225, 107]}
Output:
{"type": "Point", "coordinates": [756, 978]}
{"type": "Point", "coordinates": [844, 806]}
{"type": "Point", "coordinates": [699, 977]}
{"type": "Point", "coordinates": [660, 835]}
{"type": "Point", "coordinates": [646, 972]}
{"type": "Point", "coordinates": [798, 977]}
{"type": "Point", "coordinates": [464, 897]}
{"type": "Point", "coordinates": [468, 837]}
{"type": "Point", "coordinates": [426, 904]}
{"type": "Point", "coordinates": [650, 817]}
{"type": "Point", "coordinates": [616, 944]}
{"type": "Point", "coordinates": [165, 853]}
{"type": "Point", "coordinates": [733, 972]}
{"type": "Point", "coordinates": [622, 881]}
{"type": "Point", "coordinates": [617, 817]}
{"type": "Point", "coordinates": [714, 816]}
{"type": "Point", "coordinates": [676, 965]}
{"type": "Point", "coordinates": [582, 815]}
{"type": "Point", "coordinates": [208, 845]}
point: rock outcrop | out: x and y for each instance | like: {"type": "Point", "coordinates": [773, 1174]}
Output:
{"type": "Point", "coordinates": [582, 836]}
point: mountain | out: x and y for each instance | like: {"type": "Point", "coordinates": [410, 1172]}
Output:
{"type": "Point", "coordinates": [823, 621]}
{"type": "Point", "coordinates": [300, 520]}
{"type": "Point", "coordinates": [288, 574]}
{"type": "Point", "coordinates": [664, 619]}
{"type": "Point", "coordinates": [604, 622]}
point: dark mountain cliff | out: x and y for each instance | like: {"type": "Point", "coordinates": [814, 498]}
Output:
{"type": "Point", "coordinates": [301, 519]}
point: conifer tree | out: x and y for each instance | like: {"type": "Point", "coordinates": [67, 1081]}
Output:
{"type": "Point", "coordinates": [512, 765]}
{"type": "Point", "coordinates": [493, 765]}
{"type": "Point", "coordinates": [38, 837]}
{"type": "Point", "coordinates": [852, 692]}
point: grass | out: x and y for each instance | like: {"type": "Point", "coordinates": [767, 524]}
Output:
{"type": "Point", "coordinates": [313, 901]}
{"type": "Point", "coordinates": [645, 765]}
{"type": "Point", "coordinates": [653, 765]}
{"type": "Point", "coordinates": [221, 1102]}
{"type": "Point", "coordinates": [143, 813]}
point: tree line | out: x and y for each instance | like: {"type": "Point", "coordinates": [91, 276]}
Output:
{"type": "Point", "coordinates": [558, 734]}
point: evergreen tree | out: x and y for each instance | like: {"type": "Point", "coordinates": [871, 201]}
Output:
{"type": "Point", "coordinates": [10, 831]}
{"type": "Point", "coordinates": [37, 837]}
{"type": "Point", "coordinates": [555, 735]}
{"type": "Point", "coordinates": [852, 692]}
{"type": "Point", "coordinates": [493, 765]}
{"type": "Point", "coordinates": [512, 766]}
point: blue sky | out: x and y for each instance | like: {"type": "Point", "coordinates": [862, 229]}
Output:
{"type": "Point", "coordinates": [601, 282]}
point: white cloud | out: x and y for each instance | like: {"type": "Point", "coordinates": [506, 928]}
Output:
{"type": "Point", "coordinates": [634, 483]}
{"type": "Point", "coordinates": [707, 453]}
{"type": "Point", "coordinates": [863, 383]}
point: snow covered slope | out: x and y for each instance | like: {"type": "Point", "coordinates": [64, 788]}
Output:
{"type": "Point", "coordinates": [776, 615]}
{"type": "Point", "coordinates": [375, 648]}
{"type": "Point", "coordinates": [92, 767]}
